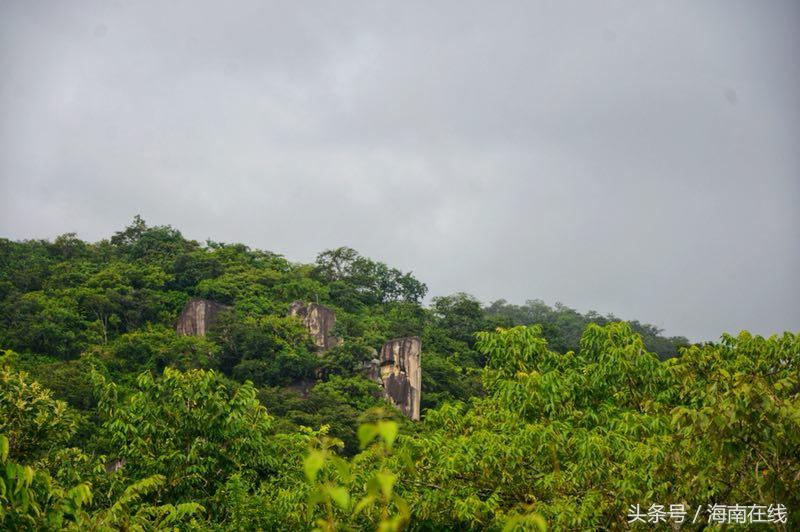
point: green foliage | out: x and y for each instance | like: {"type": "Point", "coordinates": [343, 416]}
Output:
{"type": "Point", "coordinates": [576, 437]}
{"type": "Point", "coordinates": [31, 500]}
{"type": "Point", "coordinates": [445, 380]}
{"type": "Point", "coordinates": [459, 316]}
{"type": "Point", "coordinates": [128, 512]}
{"type": "Point", "coordinates": [339, 403]}
{"type": "Point", "coordinates": [194, 428]}
{"type": "Point", "coordinates": [68, 380]}
{"type": "Point", "coordinates": [156, 244]}
{"type": "Point", "coordinates": [563, 326]}
{"type": "Point", "coordinates": [738, 419]}
{"type": "Point", "coordinates": [334, 481]}
{"type": "Point", "coordinates": [347, 359]}
{"type": "Point", "coordinates": [157, 347]}
{"type": "Point", "coordinates": [31, 420]}
{"type": "Point", "coordinates": [269, 350]}
{"type": "Point", "coordinates": [109, 420]}
{"type": "Point", "coordinates": [42, 323]}
{"type": "Point", "coordinates": [357, 280]}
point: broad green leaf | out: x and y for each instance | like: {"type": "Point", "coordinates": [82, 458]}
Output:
{"type": "Point", "coordinates": [340, 496]}
{"type": "Point", "coordinates": [366, 433]}
{"type": "Point", "coordinates": [386, 481]}
{"type": "Point", "coordinates": [3, 448]}
{"type": "Point", "coordinates": [364, 503]}
{"type": "Point", "coordinates": [388, 431]}
{"type": "Point", "coordinates": [312, 464]}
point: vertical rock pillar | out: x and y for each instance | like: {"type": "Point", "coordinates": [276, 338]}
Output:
{"type": "Point", "coordinates": [401, 374]}
{"type": "Point", "coordinates": [198, 316]}
{"type": "Point", "coordinates": [319, 320]}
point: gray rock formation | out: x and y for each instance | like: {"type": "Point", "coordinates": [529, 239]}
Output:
{"type": "Point", "coordinates": [198, 316]}
{"type": "Point", "coordinates": [112, 466]}
{"type": "Point", "coordinates": [319, 320]}
{"type": "Point", "coordinates": [401, 374]}
{"type": "Point", "coordinates": [372, 369]}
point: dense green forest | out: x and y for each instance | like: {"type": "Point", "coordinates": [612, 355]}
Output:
{"type": "Point", "coordinates": [533, 416]}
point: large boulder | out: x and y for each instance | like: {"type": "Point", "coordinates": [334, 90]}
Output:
{"type": "Point", "coordinates": [319, 320]}
{"type": "Point", "coordinates": [401, 374]}
{"type": "Point", "coordinates": [198, 316]}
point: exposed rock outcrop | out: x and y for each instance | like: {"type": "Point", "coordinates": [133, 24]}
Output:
{"type": "Point", "coordinates": [320, 321]}
{"type": "Point", "coordinates": [401, 374]}
{"type": "Point", "coordinates": [371, 369]}
{"type": "Point", "coordinates": [198, 316]}
{"type": "Point", "coordinates": [112, 466]}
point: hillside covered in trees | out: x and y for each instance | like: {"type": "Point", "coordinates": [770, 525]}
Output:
{"type": "Point", "coordinates": [533, 416]}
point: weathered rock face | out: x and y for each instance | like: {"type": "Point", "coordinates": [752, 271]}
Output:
{"type": "Point", "coordinates": [401, 374]}
{"type": "Point", "coordinates": [320, 321]}
{"type": "Point", "coordinates": [198, 316]}
{"type": "Point", "coordinates": [114, 465]}
{"type": "Point", "coordinates": [372, 369]}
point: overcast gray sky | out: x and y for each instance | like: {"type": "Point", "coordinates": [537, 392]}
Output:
{"type": "Point", "coordinates": [640, 158]}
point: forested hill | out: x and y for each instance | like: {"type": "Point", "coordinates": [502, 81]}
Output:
{"type": "Point", "coordinates": [118, 299]}
{"type": "Point", "coordinates": [565, 419]}
{"type": "Point", "coordinates": [156, 270]}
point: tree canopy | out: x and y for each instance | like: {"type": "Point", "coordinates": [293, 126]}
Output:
{"type": "Point", "coordinates": [533, 417]}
